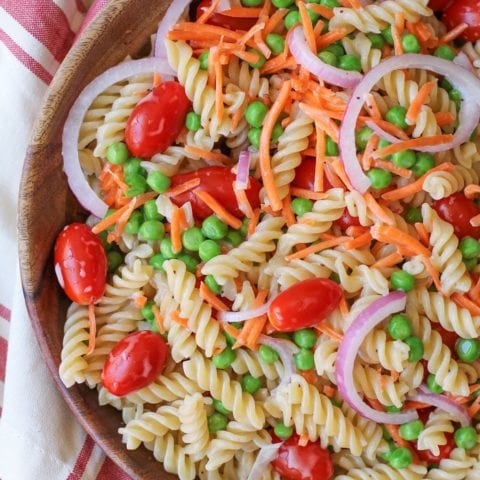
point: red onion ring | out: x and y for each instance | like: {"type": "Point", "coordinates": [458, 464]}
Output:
{"type": "Point", "coordinates": [243, 170]}
{"type": "Point", "coordinates": [368, 319]}
{"type": "Point", "coordinates": [244, 315]}
{"type": "Point", "coordinates": [462, 79]}
{"type": "Point", "coordinates": [305, 57]}
{"type": "Point", "coordinates": [463, 61]}
{"type": "Point", "coordinates": [285, 349]}
{"type": "Point", "coordinates": [264, 457]}
{"type": "Point", "coordinates": [71, 162]}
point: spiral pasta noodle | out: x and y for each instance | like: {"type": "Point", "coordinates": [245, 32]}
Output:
{"type": "Point", "coordinates": [433, 436]}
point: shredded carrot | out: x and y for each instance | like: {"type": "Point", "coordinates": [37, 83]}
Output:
{"type": "Point", "coordinates": [329, 331]}
{"type": "Point", "coordinates": [389, 234]}
{"type": "Point", "coordinates": [208, 11]}
{"type": "Point", "coordinates": [474, 408]}
{"type": "Point", "coordinates": [433, 273]}
{"type": "Point", "coordinates": [267, 129]}
{"type": "Point", "coordinates": [303, 439]}
{"type": "Point", "coordinates": [475, 221]}
{"type": "Point", "coordinates": [411, 405]}
{"type": "Point", "coordinates": [397, 40]}
{"type": "Point", "coordinates": [219, 107]}
{"type": "Point", "coordinates": [201, 32]}
{"type": "Point", "coordinates": [454, 33]}
{"type": "Point", "coordinates": [280, 62]}
{"type": "Point", "coordinates": [182, 188]}
{"type": "Point", "coordinates": [304, 193]}
{"type": "Point", "coordinates": [317, 247]}
{"type": "Point", "coordinates": [175, 316]}
{"type": "Point", "coordinates": [319, 157]}
{"type": "Point", "coordinates": [423, 235]}
{"type": "Point", "coordinates": [231, 330]}
{"type": "Point", "coordinates": [359, 242]}
{"type": "Point", "coordinates": [211, 298]}
{"type": "Point", "coordinates": [465, 302]}
{"type": "Point", "coordinates": [310, 376]}
{"type": "Point", "coordinates": [321, 10]}
{"type": "Point", "coordinates": [242, 12]}
{"type": "Point", "coordinates": [157, 79]}
{"type": "Point", "coordinates": [287, 211]}
{"type": "Point", "coordinates": [178, 216]}
{"type": "Point", "coordinates": [474, 388]}
{"type": "Point", "coordinates": [391, 167]}
{"type": "Point", "coordinates": [158, 319]}
{"type": "Point", "coordinates": [330, 37]}
{"type": "Point", "coordinates": [420, 30]}
{"type": "Point", "coordinates": [140, 301]}
{"type": "Point", "coordinates": [387, 126]}
{"type": "Point", "coordinates": [444, 118]}
{"type": "Point", "coordinates": [416, 186]}
{"type": "Point", "coordinates": [218, 209]}
{"type": "Point", "coordinates": [252, 224]}
{"type": "Point", "coordinates": [372, 107]}
{"type": "Point", "coordinates": [326, 123]}
{"type": "Point", "coordinates": [243, 202]}
{"type": "Point", "coordinates": [377, 209]}
{"type": "Point", "coordinates": [355, 4]}
{"type": "Point", "coordinates": [274, 21]}
{"type": "Point", "coordinates": [207, 154]}
{"type": "Point", "coordinates": [237, 117]}
{"type": "Point", "coordinates": [474, 292]}
{"type": "Point", "coordinates": [344, 308]}
{"type": "Point", "coordinates": [356, 230]}
{"type": "Point", "coordinates": [253, 327]}
{"type": "Point", "coordinates": [307, 26]}
{"type": "Point", "coordinates": [329, 391]}
{"type": "Point", "coordinates": [339, 170]}
{"type": "Point", "coordinates": [371, 146]}
{"type": "Point", "coordinates": [414, 143]}
{"type": "Point", "coordinates": [388, 261]}
{"type": "Point", "coordinates": [420, 98]}
{"type": "Point", "coordinates": [92, 328]}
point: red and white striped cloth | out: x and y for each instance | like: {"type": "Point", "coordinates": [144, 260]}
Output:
{"type": "Point", "coordinates": [38, 439]}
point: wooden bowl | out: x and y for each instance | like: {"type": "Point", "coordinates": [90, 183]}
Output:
{"type": "Point", "coordinates": [46, 205]}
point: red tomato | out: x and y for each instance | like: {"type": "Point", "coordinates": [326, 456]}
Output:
{"type": "Point", "coordinates": [80, 263]}
{"type": "Point", "coordinates": [218, 181]}
{"type": "Point", "coordinates": [448, 338]}
{"type": "Point", "coordinates": [231, 23]}
{"type": "Point", "coordinates": [134, 362]}
{"type": "Point", "coordinates": [304, 304]}
{"type": "Point", "coordinates": [445, 451]}
{"type": "Point", "coordinates": [156, 121]}
{"type": "Point", "coordinates": [424, 413]}
{"type": "Point", "coordinates": [305, 175]}
{"type": "Point", "coordinates": [347, 220]}
{"type": "Point", "coordinates": [457, 209]}
{"type": "Point", "coordinates": [310, 462]}
{"type": "Point", "coordinates": [464, 11]}
{"type": "Point", "coordinates": [439, 5]}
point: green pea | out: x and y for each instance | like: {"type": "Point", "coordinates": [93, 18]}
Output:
{"type": "Point", "coordinates": [275, 42]}
{"type": "Point", "coordinates": [151, 230]}
{"type": "Point", "coordinates": [283, 3]}
{"type": "Point", "coordinates": [117, 153]}
{"type": "Point", "coordinates": [399, 327]}
{"type": "Point", "coordinates": [134, 222]}
{"type": "Point", "coordinates": [244, 228]}
{"type": "Point", "coordinates": [411, 430]}
{"type": "Point", "coordinates": [469, 247]}
{"type": "Point", "coordinates": [190, 262]}
{"type": "Point", "coordinates": [328, 57]}
{"type": "Point", "coordinates": [304, 359]}
{"type": "Point", "coordinates": [208, 249]}
{"type": "Point", "coordinates": [305, 338]}
{"type": "Point", "coordinates": [282, 431]}
{"type": "Point", "coordinates": [277, 131]}
{"type": "Point", "coordinates": [387, 35]}
{"type": "Point", "coordinates": [214, 228]}
{"type": "Point", "coordinates": [230, 340]}
{"type": "Point", "coordinates": [410, 43]}
{"type": "Point", "coordinates": [400, 458]}
{"type": "Point", "coordinates": [220, 407]}
{"type": "Point", "coordinates": [414, 215]}
{"type": "Point", "coordinates": [361, 138]}
{"type": "Point", "coordinates": [133, 165]}
{"type": "Point", "coordinates": [251, 384]}
{"type": "Point", "coordinates": [193, 121]}
{"type": "Point", "coordinates": [216, 422]}
{"type": "Point", "coordinates": [396, 115]}
{"type": "Point", "coordinates": [150, 211]}
{"type": "Point", "coordinates": [224, 359]}
{"type": "Point", "coordinates": [445, 52]}
{"type": "Point", "coordinates": [386, 434]}
{"type": "Point", "coordinates": [256, 113]}
{"type": "Point", "coordinates": [212, 284]}
{"type": "Point", "coordinates": [300, 206]}
{"type": "Point", "coordinates": [261, 59]}
{"type": "Point", "coordinates": [147, 311]}
{"type": "Point", "coordinates": [252, 3]}
{"type": "Point", "coordinates": [335, 277]}
{"type": "Point", "coordinates": [254, 135]}
{"type": "Point", "coordinates": [446, 85]}
{"type": "Point", "coordinates": [416, 349]}
{"type": "Point", "coordinates": [234, 238]}
{"type": "Point", "coordinates": [350, 63]}
{"type": "Point", "coordinates": [192, 238]}
{"type": "Point", "coordinates": [166, 249]}
{"type": "Point", "coordinates": [114, 260]}
{"type": "Point", "coordinates": [291, 19]}
{"type": "Point", "coordinates": [267, 354]}
{"type": "Point", "coordinates": [336, 48]}
{"type": "Point", "coordinates": [404, 159]}
{"type": "Point", "coordinates": [465, 437]}
{"type": "Point", "coordinates": [432, 384]}
{"type": "Point", "coordinates": [330, 3]}
{"type": "Point", "coordinates": [393, 409]}
{"type": "Point", "coordinates": [402, 280]}
{"type": "Point", "coordinates": [377, 40]}
{"type": "Point", "coordinates": [157, 261]}
{"type": "Point", "coordinates": [379, 178]}
{"type": "Point", "coordinates": [203, 58]}
{"type": "Point", "coordinates": [331, 147]}
{"type": "Point", "coordinates": [137, 184]}
{"type": "Point", "coordinates": [424, 163]}
{"type": "Point", "coordinates": [470, 263]}
{"type": "Point", "coordinates": [468, 349]}
{"type": "Point", "coordinates": [158, 181]}
{"type": "Point", "coordinates": [456, 96]}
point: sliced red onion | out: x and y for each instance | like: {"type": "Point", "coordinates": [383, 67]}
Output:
{"type": "Point", "coordinates": [71, 162]}
{"type": "Point", "coordinates": [381, 132]}
{"type": "Point", "coordinates": [305, 57]}
{"type": "Point", "coordinates": [363, 324]}
{"type": "Point", "coordinates": [243, 170]}
{"type": "Point", "coordinates": [171, 17]}
{"type": "Point", "coordinates": [463, 61]}
{"type": "Point", "coordinates": [460, 78]}
{"type": "Point", "coordinates": [243, 315]}
{"type": "Point", "coordinates": [444, 403]}
{"type": "Point", "coordinates": [286, 350]}
{"type": "Point", "coordinates": [265, 455]}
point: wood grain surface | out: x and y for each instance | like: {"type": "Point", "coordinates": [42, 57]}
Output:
{"type": "Point", "coordinates": [46, 205]}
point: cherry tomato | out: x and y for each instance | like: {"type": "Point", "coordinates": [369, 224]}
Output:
{"type": "Point", "coordinates": [134, 362]}
{"type": "Point", "coordinates": [304, 304]}
{"type": "Point", "coordinates": [445, 451]}
{"type": "Point", "coordinates": [80, 263]}
{"type": "Point", "coordinates": [156, 121]}
{"type": "Point", "coordinates": [464, 11]}
{"type": "Point", "coordinates": [448, 338]}
{"type": "Point", "coordinates": [232, 23]}
{"type": "Point", "coordinates": [305, 175]}
{"type": "Point", "coordinates": [218, 181]}
{"type": "Point", "coordinates": [310, 462]}
{"type": "Point", "coordinates": [347, 220]}
{"type": "Point", "coordinates": [424, 413]}
{"type": "Point", "coordinates": [457, 209]}
{"type": "Point", "coordinates": [439, 5]}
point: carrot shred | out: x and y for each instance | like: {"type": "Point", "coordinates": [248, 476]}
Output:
{"type": "Point", "coordinates": [242, 12]}
{"type": "Point", "coordinates": [330, 37]}
{"type": "Point", "coordinates": [310, 376]}
{"type": "Point", "coordinates": [319, 158]}
{"type": "Point", "coordinates": [343, 306]}
{"type": "Point", "coordinates": [474, 388]}
{"type": "Point", "coordinates": [372, 107]}
{"type": "Point", "coordinates": [184, 187]}
{"type": "Point", "coordinates": [304, 193]}
{"type": "Point", "coordinates": [326, 123]}
{"type": "Point", "coordinates": [317, 247]}
{"type": "Point", "coordinates": [267, 129]}
{"type": "Point", "coordinates": [219, 107]}
{"type": "Point", "coordinates": [329, 331]}
{"type": "Point", "coordinates": [243, 202]}
{"type": "Point", "coordinates": [140, 301]}
{"type": "Point", "coordinates": [158, 319]}
{"type": "Point", "coordinates": [287, 211]}
{"type": "Point", "coordinates": [377, 209]}
{"type": "Point", "coordinates": [178, 216]}
{"type": "Point", "coordinates": [356, 230]}
{"type": "Point", "coordinates": [218, 209]}
{"type": "Point", "coordinates": [412, 405]}
{"type": "Point", "coordinates": [329, 391]}
{"type": "Point", "coordinates": [207, 12]}
{"type": "Point", "coordinates": [359, 242]}
{"type": "Point", "coordinates": [339, 170]}
{"type": "Point", "coordinates": [230, 329]}
{"type": "Point", "coordinates": [454, 33]}
{"type": "Point", "coordinates": [420, 98]}
{"type": "Point", "coordinates": [92, 328]}
{"type": "Point", "coordinates": [387, 126]}
{"type": "Point", "coordinates": [414, 143]}
{"type": "Point", "coordinates": [390, 234]}
{"type": "Point", "coordinates": [422, 233]}
{"type": "Point", "coordinates": [321, 10]}
{"type": "Point", "coordinates": [397, 41]}
{"type": "Point", "coordinates": [420, 30]}
{"type": "Point", "coordinates": [211, 298]}
{"type": "Point", "coordinates": [307, 26]}
{"type": "Point", "coordinates": [157, 79]}
{"type": "Point", "coordinates": [465, 302]}
{"type": "Point", "coordinates": [416, 186]}
{"type": "Point", "coordinates": [175, 316]}
{"type": "Point", "coordinates": [474, 292]}
{"type": "Point", "coordinates": [474, 408]}
{"type": "Point", "coordinates": [388, 261]}
{"type": "Point", "coordinates": [444, 118]}
{"type": "Point", "coordinates": [252, 224]}
{"type": "Point", "coordinates": [391, 167]}
{"type": "Point", "coordinates": [253, 327]}
{"type": "Point", "coordinates": [274, 21]}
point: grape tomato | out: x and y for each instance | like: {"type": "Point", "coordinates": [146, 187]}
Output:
{"type": "Point", "coordinates": [464, 11]}
{"type": "Point", "coordinates": [305, 176]}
